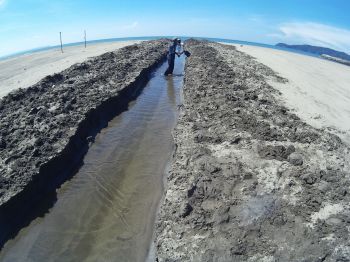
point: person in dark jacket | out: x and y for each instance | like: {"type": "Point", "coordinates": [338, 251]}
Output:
{"type": "Point", "coordinates": [171, 56]}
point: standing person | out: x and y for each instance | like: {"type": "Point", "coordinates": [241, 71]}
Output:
{"type": "Point", "coordinates": [171, 56]}
{"type": "Point", "coordinates": [180, 49]}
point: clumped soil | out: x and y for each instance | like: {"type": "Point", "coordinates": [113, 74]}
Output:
{"type": "Point", "coordinates": [55, 116]}
{"type": "Point", "coordinates": [250, 181]}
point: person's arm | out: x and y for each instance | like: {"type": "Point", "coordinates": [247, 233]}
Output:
{"type": "Point", "coordinates": [169, 50]}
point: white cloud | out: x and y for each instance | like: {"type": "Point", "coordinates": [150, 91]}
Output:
{"type": "Point", "coordinates": [256, 18]}
{"type": "Point", "coordinates": [315, 34]}
{"type": "Point", "coordinates": [2, 2]}
{"type": "Point", "coordinates": [130, 26]}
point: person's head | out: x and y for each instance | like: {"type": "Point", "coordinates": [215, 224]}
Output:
{"type": "Point", "coordinates": [175, 41]}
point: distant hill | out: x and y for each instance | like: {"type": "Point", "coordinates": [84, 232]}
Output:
{"type": "Point", "coordinates": [318, 50]}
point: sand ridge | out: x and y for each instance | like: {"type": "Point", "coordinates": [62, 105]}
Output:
{"type": "Point", "coordinates": [26, 70]}
{"type": "Point", "coordinates": [249, 176]}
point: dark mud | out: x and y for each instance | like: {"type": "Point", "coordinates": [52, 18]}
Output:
{"type": "Point", "coordinates": [45, 130]}
{"type": "Point", "coordinates": [250, 181]}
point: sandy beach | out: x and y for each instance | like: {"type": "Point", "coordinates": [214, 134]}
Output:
{"type": "Point", "coordinates": [318, 90]}
{"type": "Point", "coordinates": [259, 172]}
{"type": "Point", "coordinates": [26, 70]}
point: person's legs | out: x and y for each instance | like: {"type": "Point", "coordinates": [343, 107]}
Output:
{"type": "Point", "coordinates": [171, 66]}
{"type": "Point", "coordinates": [171, 63]}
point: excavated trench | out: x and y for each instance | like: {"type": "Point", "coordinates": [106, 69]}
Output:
{"type": "Point", "coordinates": [106, 212]}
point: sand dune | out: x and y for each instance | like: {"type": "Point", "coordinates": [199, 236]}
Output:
{"type": "Point", "coordinates": [318, 90]}
{"type": "Point", "coordinates": [26, 70]}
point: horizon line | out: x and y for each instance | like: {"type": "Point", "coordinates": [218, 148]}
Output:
{"type": "Point", "coordinates": [117, 39]}
{"type": "Point", "coordinates": [49, 47]}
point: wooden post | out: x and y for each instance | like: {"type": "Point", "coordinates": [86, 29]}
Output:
{"type": "Point", "coordinates": [85, 37]}
{"type": "Point", "coordinates": [61, 42]}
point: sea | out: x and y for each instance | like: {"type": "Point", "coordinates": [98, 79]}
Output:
{"type": "Point", "coordinates": [240, 42]}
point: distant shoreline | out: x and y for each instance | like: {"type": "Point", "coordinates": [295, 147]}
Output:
{"type": "Point", "coordinates": [336, 59]}
{"type": "Point", "coordinates": [140, 38]}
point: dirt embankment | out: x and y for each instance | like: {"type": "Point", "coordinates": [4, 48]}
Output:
{"type": "Point", "coordinates": [250, 181]}
{"type": "Point", "coordinates": [45, 129]}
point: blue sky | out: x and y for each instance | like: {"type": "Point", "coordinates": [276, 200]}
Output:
{"type": "Point", "coordinates": [27, 24]}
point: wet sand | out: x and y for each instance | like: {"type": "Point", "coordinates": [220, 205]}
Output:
{"type": "Point", "coordinates": [26, 70]}
{"type": "Point", "coordinates": [318, 90]}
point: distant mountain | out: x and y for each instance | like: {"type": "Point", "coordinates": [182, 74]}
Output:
{"type": "Point", "coordinates": [318, 50]}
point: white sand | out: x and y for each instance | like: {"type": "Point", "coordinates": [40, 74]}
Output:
{"type": "Point", "coordinates": [318, 90]}
{"type": "Point", "coordinates": [326, 211]}
{"type": "Point", "coordinates": [26, 70]}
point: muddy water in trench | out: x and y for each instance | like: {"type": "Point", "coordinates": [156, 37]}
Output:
{"type": "Point", "coordinates": [107, 211]}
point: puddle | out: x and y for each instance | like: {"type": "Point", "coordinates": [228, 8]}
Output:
{"type": "Point", "coordinates": [107, 211]}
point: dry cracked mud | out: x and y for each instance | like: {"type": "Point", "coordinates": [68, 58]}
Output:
{"type": "Point", "coordinates": [250, 181]}
{"type": "Point", "coordinates": [45, 129]}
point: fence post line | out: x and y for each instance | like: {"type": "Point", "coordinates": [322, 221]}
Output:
{"type": "Point", "coordinates": [85, 37]}
{"type": "Point", "coordinates": [61, 41]}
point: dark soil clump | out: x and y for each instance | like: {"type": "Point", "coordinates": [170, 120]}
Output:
{"type": "Point", "coordinates": [250, 181]}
